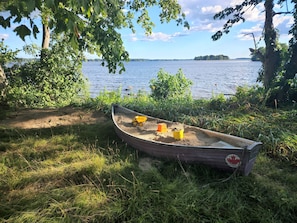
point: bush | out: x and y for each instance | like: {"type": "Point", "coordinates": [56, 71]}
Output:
{"type": "Point", "coordinates": [6, 56]}
{"type": "Point", "coordinates": [54, 80]}
{"type": "Point", "coordinates": [168, 86]}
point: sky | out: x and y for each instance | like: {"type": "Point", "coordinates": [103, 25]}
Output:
{"type": "Point", "coordinates": [169, 41]}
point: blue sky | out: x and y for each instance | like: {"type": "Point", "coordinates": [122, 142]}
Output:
{"type": "Point", "coordinates": [169, 41]}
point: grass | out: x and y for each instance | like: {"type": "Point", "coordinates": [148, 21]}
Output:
{"type": "Point", "coordinates": [85, 173]}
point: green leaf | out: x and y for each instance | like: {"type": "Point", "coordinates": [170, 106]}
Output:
{"type": "Point", "coordinates": [13, 10]}
{"type": "Point", "coordinates": [30, 5]}
{"type": "Point", "coordinates": [22, 31]}
{"type": "Point", "coordinates": [50, 3]}
{"type": "Point", "coordinates": [18, 19]}
{"type": "Point", "coordinates": [4, 22]}
{"type": "Point", "coordinates": [35, 31]}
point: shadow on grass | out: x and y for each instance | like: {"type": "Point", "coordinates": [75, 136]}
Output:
{"type": "Point", "coordinates": [85, 173]}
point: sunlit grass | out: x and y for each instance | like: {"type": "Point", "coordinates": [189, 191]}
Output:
{"type": "Point", "coordinates": [85, 173]}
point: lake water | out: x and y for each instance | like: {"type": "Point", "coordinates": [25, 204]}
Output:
{"type": "Point", "coordinates": [209, 78]}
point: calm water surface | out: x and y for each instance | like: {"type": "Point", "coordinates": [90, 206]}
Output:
{"type": "Point", "coordinates": [209, 77]}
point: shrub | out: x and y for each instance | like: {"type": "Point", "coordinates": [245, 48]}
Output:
{"type": "Point", "coordinates": [6, 56]}
{"type": "Point", "coordinates": [247, 97]}
{"type": "Point", "coordinates": [54, 80]}
{"type": "Point", "coordinates": [168, 86]}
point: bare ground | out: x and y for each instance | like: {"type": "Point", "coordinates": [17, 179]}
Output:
{"type": "Point", "coordinates": [45, 118]}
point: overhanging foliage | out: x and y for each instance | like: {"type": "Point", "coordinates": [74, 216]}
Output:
{"type": "Point", "coordinates": [91, 25]}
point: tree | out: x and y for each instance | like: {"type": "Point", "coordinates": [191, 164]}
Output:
{"type": "Point", "coordinates": [212, 57]}
{"type": "Point", "coordinates": [54, 81]}
{"type": "Point", "coordinates": [271, 59]}
{"type": "Point", "coordinates": [85, 25]}
{"type": "Point", "coordinates": [258, 54]}
{"type": "Point", "coordinates": [272, 54]}
{"type": "Point", "coordinates": [288, 90]}
{"type": "Point", "coordinates": [6, 56]}
{"type": "Point", "coordinates": [91, 25]}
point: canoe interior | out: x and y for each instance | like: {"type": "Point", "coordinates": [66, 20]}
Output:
{"type": "Point", "coordinates": [193, 136]}
{"type": "Point", "coordinates": [198, 145]}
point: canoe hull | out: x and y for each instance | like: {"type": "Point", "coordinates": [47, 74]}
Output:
{"type": "Point", "coordinates": [228, 159]}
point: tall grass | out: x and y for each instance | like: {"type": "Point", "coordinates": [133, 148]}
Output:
{"type": "Point", "coordinates": [85, 173]}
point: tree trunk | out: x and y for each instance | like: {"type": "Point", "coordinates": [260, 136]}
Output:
{"type": "Point", "coordinates": [45, 39]}
{"type": "Point", "coordinates": [45, 36]}
{"type": "Point", "coordinates": [272, 55]}
{"type": "Point", "coordinates": [3, 84]}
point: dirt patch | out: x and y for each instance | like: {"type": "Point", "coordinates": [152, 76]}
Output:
{"type": "Point", "coordinates": [46, 118]}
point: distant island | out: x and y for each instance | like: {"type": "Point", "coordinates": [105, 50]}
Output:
{"type": "Point", "coordinates": [212, 57]}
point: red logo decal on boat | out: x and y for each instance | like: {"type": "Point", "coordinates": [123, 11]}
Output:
{"type": "Point", "coordinates": [233, 160]}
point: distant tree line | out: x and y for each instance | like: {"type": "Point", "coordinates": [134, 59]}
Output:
{"type": "Point", "coordinates": [212, 57]}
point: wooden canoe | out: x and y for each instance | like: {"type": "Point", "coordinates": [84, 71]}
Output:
{"type": "Point", "coordinates": [198, 145]}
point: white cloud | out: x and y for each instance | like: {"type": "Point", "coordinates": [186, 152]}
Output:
{"type": "Point", "coordinates": [255, 14]}
{"type": "Point", "coordinates": [197, 10]}
{"type": "Point", "coordinates": [204, 26]}
{"type": "Point", "coordinates": [279, 20]}
{"type": "Point", "coordinates": [4, 36]}
{"type": "Point", "coordinates": [255, 29]}
{"type": "Point", "coordinates": [235, 2]}
{"type": "Point", "coordinates": [200, 16]}
{"type": "Point", "coordinates": [133, 37]}
{"type": "Point", "coordinates": [211, 9]}
{"type": "Point", "coordinates": [158, 36]}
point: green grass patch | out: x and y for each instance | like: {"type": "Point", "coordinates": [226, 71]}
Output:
{"type": "Point", "coordinates": [85, 173]}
